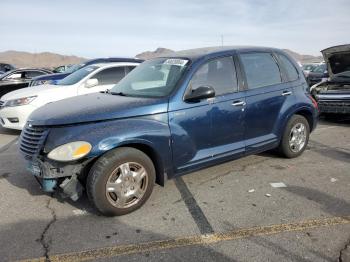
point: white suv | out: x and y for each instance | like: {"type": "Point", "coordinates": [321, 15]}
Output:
{"type": "Point", "coordinates": [15, 107]}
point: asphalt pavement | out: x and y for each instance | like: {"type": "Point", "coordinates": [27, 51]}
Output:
{"type": "Point", "coordinates": [229, 212]}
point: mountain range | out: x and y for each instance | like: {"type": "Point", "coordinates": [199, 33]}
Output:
{"type": "Point", "coordinates": [50, 60]}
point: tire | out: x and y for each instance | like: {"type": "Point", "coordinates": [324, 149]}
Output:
{"type": "Point", "coordinates": [131, 177]}
{"type": "Point", "coordinates": [295, 150]}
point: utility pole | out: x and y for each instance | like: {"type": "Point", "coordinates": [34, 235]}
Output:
{"type": "Point", "coordinates": [222, 40]}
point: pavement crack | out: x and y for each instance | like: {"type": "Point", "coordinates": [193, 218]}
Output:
{"type": "Point", "coordinates": [344, 253]}
{"type": "Point", "coordinates": [44, 240]}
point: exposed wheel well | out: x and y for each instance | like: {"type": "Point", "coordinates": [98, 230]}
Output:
{"type": "Point", "coordinates": [308, 115]}
{"type": "Point", "coordinates": [149, 151]}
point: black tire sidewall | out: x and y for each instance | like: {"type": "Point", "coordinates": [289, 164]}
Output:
{"type": "Point", "coordinates": [284, 146]}
{"type": "Point", "coordinates": [101, 170]}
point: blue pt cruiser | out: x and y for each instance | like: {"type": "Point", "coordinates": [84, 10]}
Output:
{"type": "Point", "coordinates": [168, 117]}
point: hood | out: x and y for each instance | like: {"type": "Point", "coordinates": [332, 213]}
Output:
{"type": "Point", "coordinates": [51, 77]}
{"type": "Point", "coordinates": [337, 59]}
{"type": "Point", "coordinates": [96, 107]}
{"type": "Point", "coordinates": [28, 91]}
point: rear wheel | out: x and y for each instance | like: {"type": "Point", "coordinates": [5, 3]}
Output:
{"type": "Point", "coordinates": [120, 181]}
{"type": "Point", "coordinates": [295, 137]}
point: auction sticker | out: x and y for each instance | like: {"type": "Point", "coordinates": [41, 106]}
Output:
{"type": "Point", "coordinates": [175, 61]}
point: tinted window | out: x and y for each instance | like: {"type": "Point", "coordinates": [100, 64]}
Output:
{"type": "Point", "coordinates": [261, 69]}
{"type": "Point", "coordinates": [110, 75]}
{"type": "Point", "coordinates": [16, 75]}
{"type": "Point", "coordinates": [219, 74]}
{"type": "Point", "coordinates": [31, 74]}
{"type": "Point", "coordinates": [292, 73]}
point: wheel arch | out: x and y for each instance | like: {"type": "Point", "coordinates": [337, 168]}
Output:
{"type": "Point", "coordinates": [150, 151]}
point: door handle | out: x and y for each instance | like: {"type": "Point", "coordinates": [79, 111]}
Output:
{"type": "Point", "coordinates": [239, 103]}
{"type": "Point", "coordinates": [286, 93]}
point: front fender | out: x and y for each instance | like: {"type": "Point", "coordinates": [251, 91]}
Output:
{"type": "Point", "coordinates": [151, 131]}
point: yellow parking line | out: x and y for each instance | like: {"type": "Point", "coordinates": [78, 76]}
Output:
{"type": "Point", "coordinates": [108, 252]}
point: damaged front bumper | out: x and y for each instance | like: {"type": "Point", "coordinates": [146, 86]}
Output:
{"type": "Point", "coordinates": [64, 177]}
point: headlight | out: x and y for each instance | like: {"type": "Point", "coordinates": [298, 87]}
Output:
{"type": "Point", "coordinates": [20, 101]}
{"type": "Point", "coordinates": [40, 82]}
{"type": "Point", "coordinates": [71, 151]}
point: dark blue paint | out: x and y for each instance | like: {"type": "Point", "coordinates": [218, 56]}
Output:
{"type": "Point", "coordinates": [183, 136]}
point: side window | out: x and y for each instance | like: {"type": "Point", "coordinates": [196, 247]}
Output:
{"type": "Point", "coordinates": [31, 74]}
{"type": "Point", "coordinates": [219, 74]}
{"type": "Point", "coordinates": [260, 69]}
{"type": "Point", "coordinates": [292, 73]}
{"type": "Point", "coordinates": [16, 75]}
{"type": "Point", "coordinates": [110, 76]}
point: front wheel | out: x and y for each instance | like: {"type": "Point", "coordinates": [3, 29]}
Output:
{"type": "Point", "coordinates": [295, 137]}
{"type": "Point", "coordinates": [120, 181]}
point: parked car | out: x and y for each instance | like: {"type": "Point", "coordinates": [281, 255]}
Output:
{"type": "Point", "coordinates": [53, 78]}
{"type": "Point", "coordinates": [6, 67]}
{"type": "Point", "coordinates": [333, 94]}
{"type": "Point", "coordinates": [318, 74]}
{"type": "Point", "coordinates": [19, 78]}
{"type": "Point", "coordinates": [62, 68]}
{"type": "Point", "coordinates": [168, 117]}
{"type": "Point", "coordinates": [18, 105]}
{"type": "Point", "coordinates": [307, 68]}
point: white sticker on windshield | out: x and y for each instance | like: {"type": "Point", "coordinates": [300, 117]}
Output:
{"type": "Point", "coordinates": [176, 61]}
{"type": "Point", "coordinates": [89, 69]}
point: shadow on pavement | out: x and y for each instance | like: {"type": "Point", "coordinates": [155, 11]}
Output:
{"type": "Point", "coordinates": [336, 153]}
{"type": "Point", "coordinates": [335, 120]}
{"type": "Point", "coordinates": [330, 204]}
{"type": "Point", "coordinates": [12, 132]}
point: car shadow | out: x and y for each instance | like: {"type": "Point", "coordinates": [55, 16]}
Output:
{"type": "Point", "coordinates": [330, 204]}
{"type": "Point", "coordinates": [335, 120]}
{"type": "Point", "coordinates": [12, 132]}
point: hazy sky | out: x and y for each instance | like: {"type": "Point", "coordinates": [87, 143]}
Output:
{"type": "Point", "coordinates": [125, 28]}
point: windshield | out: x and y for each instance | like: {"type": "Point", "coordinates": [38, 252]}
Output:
{"type": "Point", "coordinates": [75, 77]}
{"type": "Point", "coordinates": [74, 68]}
{"type": "Point", "coordinates": [308, 67]}
{"type": "Point", "coordinates": [153, 78]}
{"type": "Point", "coordinates": [320, 68]}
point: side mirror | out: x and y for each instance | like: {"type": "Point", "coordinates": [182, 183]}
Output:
{"type": "Point", "coordinates": [91, 82]}
{"type": "Point", "coordinates": [199, 93]}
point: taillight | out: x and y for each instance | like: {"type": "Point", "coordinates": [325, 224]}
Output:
{"type": "Point", "coordinates": [314, 102]}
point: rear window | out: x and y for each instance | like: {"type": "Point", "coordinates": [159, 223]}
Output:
{"type": "Point", "coordinates": [292, 73]}
{"type": "Point", "coordinates": [261, 70]}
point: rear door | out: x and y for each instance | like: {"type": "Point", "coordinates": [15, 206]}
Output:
{"type": "Point", "coordinates": [266, 94]}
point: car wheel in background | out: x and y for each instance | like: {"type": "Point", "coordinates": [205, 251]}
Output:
{"type": "Point", "coordinates": [121, 181]}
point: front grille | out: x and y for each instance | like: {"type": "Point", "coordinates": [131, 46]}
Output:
{"type": "Point", "coordinates": [32, 140]}
{"type": "Point", "coordinates": [334, 106]}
